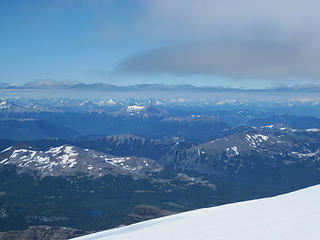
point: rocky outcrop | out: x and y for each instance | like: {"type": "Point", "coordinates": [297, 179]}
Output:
{"type": "Point", "coordinates": [145, 212]}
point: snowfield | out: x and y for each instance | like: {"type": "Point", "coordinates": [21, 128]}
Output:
{"type": "Point", "coordinates": [293, 216]}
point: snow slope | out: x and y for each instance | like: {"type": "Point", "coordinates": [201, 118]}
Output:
{"type": "Point", "coordinates": [291, 216]}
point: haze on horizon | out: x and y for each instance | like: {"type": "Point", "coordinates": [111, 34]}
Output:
{"type": "Point", "coordinates": [248, 44]}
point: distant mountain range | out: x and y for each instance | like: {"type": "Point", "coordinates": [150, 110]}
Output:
{"type": "Point", "coordinates": [76, 85]}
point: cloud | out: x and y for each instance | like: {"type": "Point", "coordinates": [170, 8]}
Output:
{"type": "Point", "coordinates": [228, 58]}
{"type": "Point", "coordinates": [247, 38]}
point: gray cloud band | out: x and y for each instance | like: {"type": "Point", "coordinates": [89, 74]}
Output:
{"type": "Point", "coordinates": [238, 59]}
{"type": "Point", "coordinates": [234, 38]}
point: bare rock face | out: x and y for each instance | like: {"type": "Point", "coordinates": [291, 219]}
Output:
{"type": "Point", "coordinates": [145, 212]}
{"type": "Point", "coordinates": [43, 233]}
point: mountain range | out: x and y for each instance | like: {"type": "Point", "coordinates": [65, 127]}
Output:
{"type": "Point", "coordinates": [96, 164]}
{"type": "Point", "coordinates": [52, 84]}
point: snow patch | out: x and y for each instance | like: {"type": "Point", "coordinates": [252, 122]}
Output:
{"type": "Point", "coordinates": [313, 130]}
{"type": "Point", "coordinates": [55, 150]}
{"type": "Point", "coordinates": [235, 149]}
{"type": "Point", "coordinates": [255, 139]}
{"type": "Point", "coordinates": [7, 149]}
{"type": "Point", "coordinates": [135, 108]}
{"type": "Point", "coordinates": [311, 154]}
{"type": "Point", "coordinates": [69, 157]}
{"type": "Point", "coordinates": [23, 151]}
{"type": "Point", "coordinates": [4, 160]}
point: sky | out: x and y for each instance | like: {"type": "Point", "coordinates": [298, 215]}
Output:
{"type": "Point", "coordinates": [230, 43]}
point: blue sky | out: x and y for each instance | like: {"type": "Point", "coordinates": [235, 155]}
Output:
{"type": "Point", "coordinates": [124, 42]}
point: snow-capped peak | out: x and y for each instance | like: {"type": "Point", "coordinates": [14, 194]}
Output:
{"type": "Point", "coordinates": [66, 160]}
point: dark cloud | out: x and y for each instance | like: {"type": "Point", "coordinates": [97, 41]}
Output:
{"type": "Point", "coordinates": [271, 39]}
{"type": "Point", "coordinates": [228, 58]}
